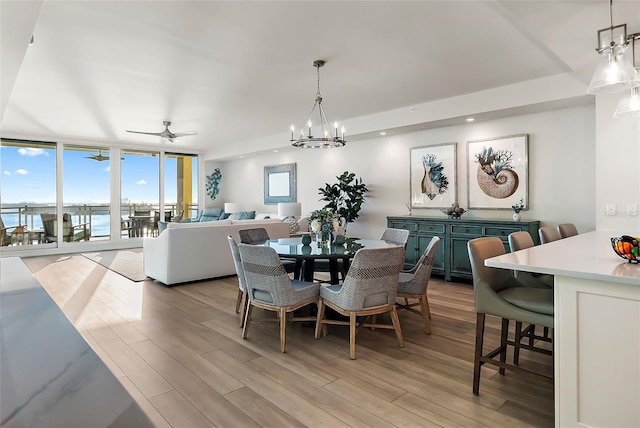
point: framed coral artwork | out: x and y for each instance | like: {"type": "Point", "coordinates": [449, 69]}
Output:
{"type": "Point", "coordinates": [432, 176]}
{"type": "Point", "coordinates": [497, 172]}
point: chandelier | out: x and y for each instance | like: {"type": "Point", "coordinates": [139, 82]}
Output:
{"type": "Point", "coordinates": [327, 137]}
{"type": "Point", "coordinates": [616, 72]}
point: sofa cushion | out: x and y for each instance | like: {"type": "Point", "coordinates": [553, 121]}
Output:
{"type": "Point", "coordinates": [243, 215]}
{"type": "Point", "coordinates": [210, 214]}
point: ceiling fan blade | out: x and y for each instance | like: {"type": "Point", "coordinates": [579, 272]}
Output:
{"type": "Point", "coordinates": [185, 133]}
{"type": "Point", "coordinates": [157, 134]}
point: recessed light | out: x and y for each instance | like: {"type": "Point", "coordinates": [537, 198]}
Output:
{"type": "Point", "coordinates": [275, 151]}
{"type": "Point", "coordinates": [470, 119]}
{"type": "Point", "coordinates": [383, 133]}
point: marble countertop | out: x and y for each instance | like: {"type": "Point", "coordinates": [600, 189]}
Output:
{"type": "Point", "coordinates": [50, 375]}
{"type": "Point", "coordinates": [588, 255]}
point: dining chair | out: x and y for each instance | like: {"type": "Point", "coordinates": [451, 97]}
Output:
{"type": "Point", "coordinates": [396, 236]}
{"type": "Point", "coordinates": [253, 236]}
{"type": "Point", "coordinates": [241, 299]}
{"type": "Point", "coordinates": [497, 292]}
{"type": "Point", "coordinates": [370, 288]}
{"type": "Point", "coordinates": [548, 234]}
{"type": "Point", "coordinates": [270, 288]}
{"type": "Point", "coordinates": [566, 230]}
{"type": "Point", "coordinates": [413, 284]}
{"type": "Point", "coordinates": [259, 235]}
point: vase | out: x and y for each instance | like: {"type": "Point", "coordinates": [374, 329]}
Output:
{"type": "Point", "coordinates": [306, 239]}
{"type": "Point", "coordinates": [323, 239]}
{"type": "Point", "coordinates": [516, 216]}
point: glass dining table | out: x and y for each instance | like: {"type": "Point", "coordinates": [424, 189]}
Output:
{"type": "Point", "coordinates": [306, 255]}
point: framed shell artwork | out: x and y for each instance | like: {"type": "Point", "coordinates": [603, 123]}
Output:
{"type": "Point", "coordinates": [432, 176]}
{"type": "Point", "coordinates": [497, 172]}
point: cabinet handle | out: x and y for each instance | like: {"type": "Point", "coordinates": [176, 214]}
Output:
{"type": "Point", "coordinates": [502, 233]}
{"type": "Point", "coordinates": [467, 231]}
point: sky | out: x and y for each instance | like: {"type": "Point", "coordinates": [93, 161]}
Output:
{"type": "Point", "coordinates": [28, 175]}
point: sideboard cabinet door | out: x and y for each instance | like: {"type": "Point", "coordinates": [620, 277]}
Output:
{"type": "Point", "coordinates": [452, 258]}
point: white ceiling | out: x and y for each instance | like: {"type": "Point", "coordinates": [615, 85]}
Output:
{"type": "Point", "coordinates": [238, 70]}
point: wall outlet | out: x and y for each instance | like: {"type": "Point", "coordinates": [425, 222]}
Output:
{"type": "Point", "coordinates": [611, 209]}
{"type": "Point", "coordinates": [632, 209]}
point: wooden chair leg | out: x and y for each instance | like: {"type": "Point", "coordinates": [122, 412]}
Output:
{"type": "Point", "coordinates": [373, 321]}
{"type": "Point", "coordinates": [319, 319]}
{"type": "Point", "coordinates": [478, 352]}
{"type": "Point", "coordinates": [516, 345]}
{"type": "Point", "coordinates": [283, 328]}
{"type": "Point", "coordinates": [245, 302]}
{"type": "Point", "coordinates": [247, 320]}
{"type": "Point", "coordinates": [503, 343]}
{"type": "Point", "coordinates": [396, 326]}
{"type": "Point", "coordinates": [424, 305]}
{"type": "Point", "coordinates": [352, 335]}
{"type": "Point", "coordinates": [427, 303]}
{"type": "Point", "coordinates": [239, 300]}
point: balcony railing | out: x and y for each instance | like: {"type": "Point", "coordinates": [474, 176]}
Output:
{"type": "Point", "coordinates": [96, 216]}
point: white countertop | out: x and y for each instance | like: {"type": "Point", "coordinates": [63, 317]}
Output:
{"type": "Point", "coordinates": [588, 255]}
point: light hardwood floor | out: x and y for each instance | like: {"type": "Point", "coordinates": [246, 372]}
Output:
{"type": "Point", "coordinates": [180, 354]}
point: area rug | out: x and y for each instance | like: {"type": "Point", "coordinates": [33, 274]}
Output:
{"type": "Point", "coordinates": [127, 263]}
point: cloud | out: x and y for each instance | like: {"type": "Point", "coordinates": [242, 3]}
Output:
{"type": "Point", "coordinates": [107, 169]}
{"type": "Point", "coordinates": [141, 182]}
{"type": "Point", "coordinates": [31, 151]}
{"type": "Point", "coordinates": [6, 172]}
{"type": "Point", "coordinates": [21, 171]}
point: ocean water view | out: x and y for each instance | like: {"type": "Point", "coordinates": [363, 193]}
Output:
{"type": "Point", "coordinates": [97, 217]}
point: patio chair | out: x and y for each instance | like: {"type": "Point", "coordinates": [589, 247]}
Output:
{"type": "Point", "coordinates": [5, 233]}
{"type": "Point", "coordinates": [70, 233]}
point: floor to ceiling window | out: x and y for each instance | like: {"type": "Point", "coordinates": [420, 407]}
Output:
{"type": "Point", "coordinates": [180, 185]}
{"type": "Point", "coordinates": [140, 190]}
{"type": "Point", "coordinates": [86, 193]}
{"type": "Point", "coordinates": [31, 189]}
{"type": "Point", "coordinates": [27, 190]}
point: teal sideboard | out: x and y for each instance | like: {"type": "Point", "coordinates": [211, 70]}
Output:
{"type": "Point", "coordinates": [452, 258]}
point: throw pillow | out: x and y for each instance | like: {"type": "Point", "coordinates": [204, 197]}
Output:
{"type": "Point", "coordinates": [246, 215]}
{"type": "Point", "coordinates": [224, 216]}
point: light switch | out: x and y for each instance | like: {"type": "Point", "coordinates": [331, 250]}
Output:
{"type": "Point", "coordinates": [632, 209]}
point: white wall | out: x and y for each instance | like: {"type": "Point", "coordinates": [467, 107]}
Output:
{"type": "Point", "coordinates": [617, 166]}
{"type": "Point", "coordinates": [561, 165]}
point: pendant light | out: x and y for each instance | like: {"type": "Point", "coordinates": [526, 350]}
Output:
{"type": "Point", "coordinates": [615, 73]}
{"type": "Point", "coordinates": [327, 137]}
{"type": "Point", "coordinates": [629, 104]}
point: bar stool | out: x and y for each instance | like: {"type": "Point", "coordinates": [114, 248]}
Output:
{"type": "Point", "coordinates": [497, 292]}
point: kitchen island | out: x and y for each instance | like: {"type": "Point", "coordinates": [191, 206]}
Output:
{"type": "Point", "coordinates": [596, 328]}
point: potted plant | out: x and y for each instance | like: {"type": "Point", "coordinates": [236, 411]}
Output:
{"type": "Point", "coordinates": [344, 198]}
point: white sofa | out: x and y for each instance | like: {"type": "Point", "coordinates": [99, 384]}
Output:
{"type": "Point", "coordinates": [195, 251]}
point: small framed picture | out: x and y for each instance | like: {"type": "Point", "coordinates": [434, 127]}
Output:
{"type": "Point", "coordinates": [497, 172]}
{"type": "Point", "coordinates": [432, 178]}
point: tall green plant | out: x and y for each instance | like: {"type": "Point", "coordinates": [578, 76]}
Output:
{"type": "Point", "coordinates": [344, 198]}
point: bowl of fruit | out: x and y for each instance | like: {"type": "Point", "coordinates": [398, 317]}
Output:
{"type": "Point", "coordinates": [627, 247]}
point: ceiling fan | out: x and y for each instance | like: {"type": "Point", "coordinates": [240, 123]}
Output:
{"type": "Point", "coordinates": [166, 134]}
{"type": "Point", "coordinates": [99, 157]}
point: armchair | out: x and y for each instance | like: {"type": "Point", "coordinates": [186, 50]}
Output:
{"type": "Point", "coordinates": [70, 233]}
{"type": "Point", "coordinates": [5, 233]}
